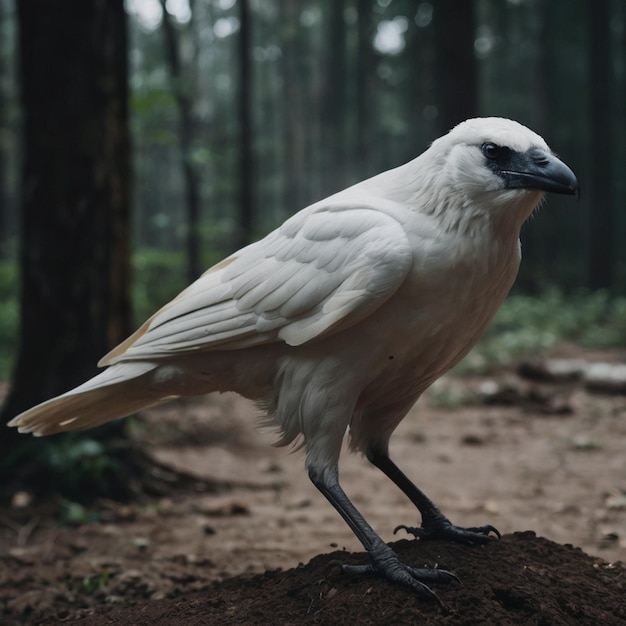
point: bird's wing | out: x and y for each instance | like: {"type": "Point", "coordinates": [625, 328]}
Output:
{"type": "Point", "coordinates": [324, 269]}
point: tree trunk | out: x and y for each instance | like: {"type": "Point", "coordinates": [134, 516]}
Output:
{"type": "Point", "coordinates": [334, 102]}
{"type": "Point", "coordinates": [535, 241]}
{"type": "Point", "coordinates": [295, 175]}
{"type": "Point", "coordinates": [456, 68]}
{"type": "Point", "coordinates": [74, 258]}
{"type": "Point", "coordinates": [245, 224]}
{"type": "Point", "coordinates": [600, 269]}
{"type": "Point", "coordinates": [181, 90]}
{"type": "Point", "coordinates": [364, 70]}
{"type": "Point", "coordinates": [7, 133]}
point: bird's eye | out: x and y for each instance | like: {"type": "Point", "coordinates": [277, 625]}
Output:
{"type": "Point", "coordinates": [491, 150]}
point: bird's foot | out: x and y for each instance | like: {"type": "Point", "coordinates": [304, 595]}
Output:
{"type": "Point", "coordinates": [393, 570]}
{"type": "Point", "coordinates": [437, 526]}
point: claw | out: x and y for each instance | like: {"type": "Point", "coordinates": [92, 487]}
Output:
{"type": "Point", "coordinates": [409, 529]}
{"type": "Point", "coordinates": [485, 530]}
{"type": "Point", "coordinates": [412, 577]}
{"type": "Point", "coordinates": [443, 529]}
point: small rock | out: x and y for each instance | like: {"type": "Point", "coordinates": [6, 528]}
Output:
{"type": "Point", "coordinates": [21, 499]}
{"type": "Point", "coordinates": [472, 439]}
{"type": "Point", "coordinates": [556, 370]}
{"type": "Point", "coordinates": [582, 442]}
{"type": "Point", "coordinates": [141, 543]}
{"type": "Point", "coordinates": [616, 501]}
{"type": "Point", "coordinates": [606, 377]}
{"type": "Point", "coordinates": [224, 507]}
{"type": "Point", "coordinates": [26, 555]}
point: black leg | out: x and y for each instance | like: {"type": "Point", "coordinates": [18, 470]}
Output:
{"type": "Point", "coordinates": [435, 525]}
{"type": "Point", "coordinates": [385, 562]}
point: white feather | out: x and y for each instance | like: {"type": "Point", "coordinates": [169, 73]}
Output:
{"type": "Point", "coordinates": [344, 314]}
{"type": "Point", "coordinates": [285, 287]}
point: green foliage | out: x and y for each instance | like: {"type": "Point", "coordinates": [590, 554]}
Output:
{"type": "Point", "coordinates": [74, 514]}
{"type": "Point", "coordinates": [96, 582]}
{"type": "Point", "coordinates": [8, 316]}
{"type": "Point", "coordinates": [73, 465]}
{"type": "Point", "coordinates": [148, 100]}
{"type": "Point", "coordinates": [158, 277]}
{"type": "Point", "coordinates": [527, 324]}
{"type": "Point", "coordinates": [75, 455]}
{"type": "Point", "coordinates": [82, 465]}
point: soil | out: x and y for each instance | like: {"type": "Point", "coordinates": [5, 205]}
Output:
{"type": "Point", "coordinates": [519, 454]}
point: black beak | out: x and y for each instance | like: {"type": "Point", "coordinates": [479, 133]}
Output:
{"type": "Point", "coordinates": [538, 169]}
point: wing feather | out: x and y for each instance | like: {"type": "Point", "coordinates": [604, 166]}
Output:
{"type": "Point", "coordinates": [327, 266]}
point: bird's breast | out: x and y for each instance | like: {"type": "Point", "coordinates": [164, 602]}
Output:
{"type": "Point", "coordinates": [437, 316]}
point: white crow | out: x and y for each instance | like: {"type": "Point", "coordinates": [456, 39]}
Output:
{"type": "Point", "coordinates": [339, 320]}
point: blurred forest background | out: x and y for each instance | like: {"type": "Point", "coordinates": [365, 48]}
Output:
{"type": "Point", "coordinates": [220, 118]}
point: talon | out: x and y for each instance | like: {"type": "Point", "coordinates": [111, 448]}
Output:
{"type": "Point", "coordinates": [403, 575]}
{"type": "Point", "coordinates": [413, 577]}
{"type": "Point", "coordinates": [443, 529]}
{"type": "Point", "coordinates": [419, 532]}
{"type": "Point", "coordinates": [442, 576]}
{"type": "Point", "coordinates": [494, 530]}
{"type": "Point", "coordinates": [485, 530]}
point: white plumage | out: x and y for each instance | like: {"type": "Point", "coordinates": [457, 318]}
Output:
{"type": "Point", "coordinates": [345, 314]}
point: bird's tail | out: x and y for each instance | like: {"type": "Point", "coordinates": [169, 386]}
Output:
{"type": "Point", "coordinates": [117, 392]}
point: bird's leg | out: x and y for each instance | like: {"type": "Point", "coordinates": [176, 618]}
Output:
{"type": "Point", "coordinates": [385, 562]}
{"type": "Point", "coordinates": [435, 525]}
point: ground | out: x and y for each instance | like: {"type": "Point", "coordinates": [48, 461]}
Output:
{"type": "Point", "coordinates": [523, 455]}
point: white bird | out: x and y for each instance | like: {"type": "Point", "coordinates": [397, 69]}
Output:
{"type": "Point", "coordinates": [339, 319]}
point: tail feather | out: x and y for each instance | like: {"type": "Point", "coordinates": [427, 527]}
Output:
{"type": "Point", "coordinates": [117, 392]}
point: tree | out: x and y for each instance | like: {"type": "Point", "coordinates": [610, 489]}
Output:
{"type": "Point", "coordinates": [245, 223]}
{"type": "Point", "coordinates": [455, 64]}
{"type": "Point", "coordinates": [184, 101]}
{"type": "Point", "coordinates": [8, 135]}
{"type": "Point", "coordinates": [365, 69]}
{"type": "Point", "coordinates": [601, 217]}
{"type": "Point", "coordinates": [296, 163]}
{"type": "Point", "coordinates": [75, 178]}
{"type": "Point", "coordinates": [333, 101]}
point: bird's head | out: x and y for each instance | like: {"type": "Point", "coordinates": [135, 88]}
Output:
{"type": "Point", "coordinates": [501, 166]}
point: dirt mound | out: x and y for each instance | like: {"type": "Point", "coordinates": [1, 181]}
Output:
{"type": "Point", "coordinates": [524, 463]}
{"type": "Point", "coordinates": [521, 579]}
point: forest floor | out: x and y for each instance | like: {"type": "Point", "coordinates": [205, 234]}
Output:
{"type": "Point", "coordinates": [523, 455]}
